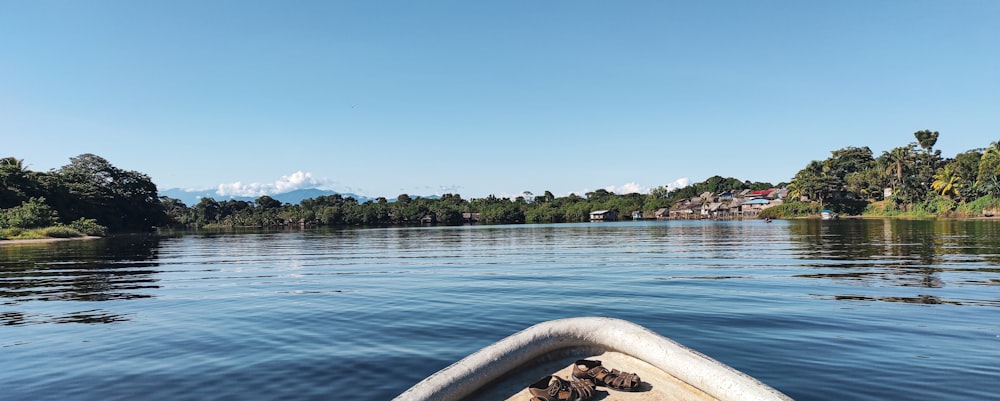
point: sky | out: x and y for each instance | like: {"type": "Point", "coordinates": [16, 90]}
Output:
{"type": "Point", "coordinates": [381, 98]}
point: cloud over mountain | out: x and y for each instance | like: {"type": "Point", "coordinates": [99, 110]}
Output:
{"type": "Point", "coordinates": [288, 183]}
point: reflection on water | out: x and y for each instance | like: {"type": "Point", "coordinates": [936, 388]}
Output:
{"type": "Point", "coordinates": [922, 299]}
{"type": "Point", "coordinates": [885, 253]}
{"type": "Point", "coordinates": [869, 255]}
{"type": "Point", "coordinates": [120, 268]}
{"type": "Point", "coordinates": [263, 315]}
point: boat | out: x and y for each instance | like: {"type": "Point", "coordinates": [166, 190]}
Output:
{"type": "Point", "coordinates": [828, 214]}
{"type": "Point", "coordinates": [669, 370]}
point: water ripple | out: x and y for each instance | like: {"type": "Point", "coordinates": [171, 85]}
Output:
{"type": "Point", "coordinates": [296, 314]}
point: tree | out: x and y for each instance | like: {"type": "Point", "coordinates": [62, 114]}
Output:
{"type": "Point", "coordinates": [966, 167]}
{"type": "Point", "coordinates": [177, 212]}
{"type": "Point", "coordinates": [660, 192]}
{"type": "Point", "coordinates": [946, 182]}
{"type": "Point", "coordinates": [14, 182]}
{"type": "Point", "coordinates": [267, 202]}
{"type": "Point", "coordinates": [808, 182]}
{"type": "Point", "coordinates": [926, 139]}
{"type": "Point", "coordinates": [33, 213]}
{"type": "Point", "coordinates": [901, 166]}
{"type": "Point", "coordinates": [844, 172]}
{"type": "Point", "coordinates": [206, 211]}
{"type": "Point", "coordinates": [599, 195]}
{"type": "Point", "coordinates": [91, 187]}
{"type": "Point", "coordinates": [988, 177]}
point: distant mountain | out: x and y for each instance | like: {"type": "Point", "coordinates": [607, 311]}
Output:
{"type": "Point", "coordinates": [192, 198]}
{"type": "Point", "coordinates": [296, 196]}
{"type": "Point", "coordinates": [189, 198]}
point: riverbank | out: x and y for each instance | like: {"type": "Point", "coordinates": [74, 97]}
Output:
{"type": "Point", "coordinates": [13, 241]}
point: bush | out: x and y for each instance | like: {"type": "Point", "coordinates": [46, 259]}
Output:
{"type": "Point", "coordinates": [11, 232]}
{"type": "Point", "coordinates": [790, 210]}
{"type": "Point", "coordinates": [33, 213]}
{"type": "Point", "coordinates": [938, 205]}
{"type": "Point", "coordinates": [89, 227]}
{"type": "Point", "coordinates": [978, 206]}
{"type": "Point", "coordinates": [60, 232]}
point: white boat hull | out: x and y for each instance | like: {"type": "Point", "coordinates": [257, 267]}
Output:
{"type": "Point", "coordinates": [670, 371]}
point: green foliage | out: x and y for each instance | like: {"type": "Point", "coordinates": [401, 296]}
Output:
{"type": "Point", "coordinates": [926, 139]}
{"type": "Point", "coordinates": [33, 213]}
{"type": "Point", "coordinates": [89, 187]}
{"type": "Point", "coordinates": [93, 188]}
{"type": "Point", "coordinates": [980, 206]}
{"type": "Point", "coordinates": [966, 167]}
{"type": "Point", "coordinates": [88, 227]}
{"type": "Point", "coordinates": [716, 185]}
{"type": "Point", "coordinates": [791, 210]}
{"type": "Point", "coordinates": [40, 233]}
{"type": "Point", "coordinates": [13, 232]}
{"type": "Point", "coordinates": [60, 232]}
{"type": "Point", "coordinates": [93, 197]}
{"type": "Point", "coordinates": [17, 184]}
{"type": "Point", "coordinates": [922, 183]}
{"type": "Point", "coordinates": [936, 206]}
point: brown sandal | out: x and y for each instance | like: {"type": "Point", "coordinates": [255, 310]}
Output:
{"type": "Point", "coordinates": [613, 379]}
{"type": "Point", "coordinates": [555, 388]}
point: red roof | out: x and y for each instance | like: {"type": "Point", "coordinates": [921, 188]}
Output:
{"type": "Point", "coordinates": [763, 192]}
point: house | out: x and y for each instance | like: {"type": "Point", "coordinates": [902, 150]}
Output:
{"type": "Point", "coordinates": [708, 210]}
{"type": "Point", "coordinates": [764, 193]}
{"type": "Point", "coordinates": [470, 218]}
{"type": "Point", "coordinates": [752, 208]}
{"type": "Point", "coordinates": [662, 214]}
{"type": "Point", "coordinates": [684, 212]}
{"type": "Point", "coordinates": [688, 209]}
{"type": "Point", "coordinates": [603, 215]}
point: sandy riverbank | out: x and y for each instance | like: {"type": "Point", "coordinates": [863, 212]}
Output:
{"type": "Point", "coordinates": [43, 240]}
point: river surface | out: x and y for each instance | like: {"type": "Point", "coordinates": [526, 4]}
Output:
{"type": "Point", "coordinates": [820, 310]}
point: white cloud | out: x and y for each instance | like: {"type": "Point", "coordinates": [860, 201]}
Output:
{"type": "Point", "coordinates": [630, 188]}
{"type": "Point", "coordinates": [635, 188]}
{"type": "Point", "coordinates": [678, 183]}
{"type": "Point", "coordinates": [297, 180]}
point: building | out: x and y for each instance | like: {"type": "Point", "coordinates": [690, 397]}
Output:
{"type": "Point", "coordinates": [603, 215]}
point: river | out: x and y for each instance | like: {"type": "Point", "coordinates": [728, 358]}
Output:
{"type": "Point", "coordinates": [820, 310]}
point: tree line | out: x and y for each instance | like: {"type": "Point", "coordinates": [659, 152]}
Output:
{"type": "Point", "coordinates": [91, 192]}
{"type": "Point", "coordinates": [92, 196]}
{"type": "Point", "coordinates": [910, 179]}
{"type": "Point", "coordinates": [88, 195]}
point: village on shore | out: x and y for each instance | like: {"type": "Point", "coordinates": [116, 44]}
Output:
{"type": "Point", "coordinates": [746, 204]}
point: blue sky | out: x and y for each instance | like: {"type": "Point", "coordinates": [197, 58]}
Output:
{"type": "Point", "coordinates": [381, 98]}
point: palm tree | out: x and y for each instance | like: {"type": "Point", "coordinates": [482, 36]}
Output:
{"type": "Point", "coordinates": [14, 182]}
{"type": "Point", "coordinates": [898, 161]}
{"type": "Point", "coordinates": [989, 170]}
{"type": "Point", "coordinates": [946, 181]}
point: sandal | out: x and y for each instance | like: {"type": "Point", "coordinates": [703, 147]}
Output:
{"type": "Point", "coordinates": [555, 388]}
{"type": "Point", "coordinates": [614, 379]}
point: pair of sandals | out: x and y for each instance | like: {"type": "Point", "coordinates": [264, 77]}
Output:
{"type": "Point", "coordinates": [587, 374]}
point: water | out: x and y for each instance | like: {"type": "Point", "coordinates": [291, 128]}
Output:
{"type": "Point", "coordinates": [821, 310]}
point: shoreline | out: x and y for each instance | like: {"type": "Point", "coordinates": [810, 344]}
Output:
{"type": "Point", "coordinates": [45, 240]}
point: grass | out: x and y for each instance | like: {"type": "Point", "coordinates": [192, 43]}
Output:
{"type": "Point", "coordinates": [40, 233]}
